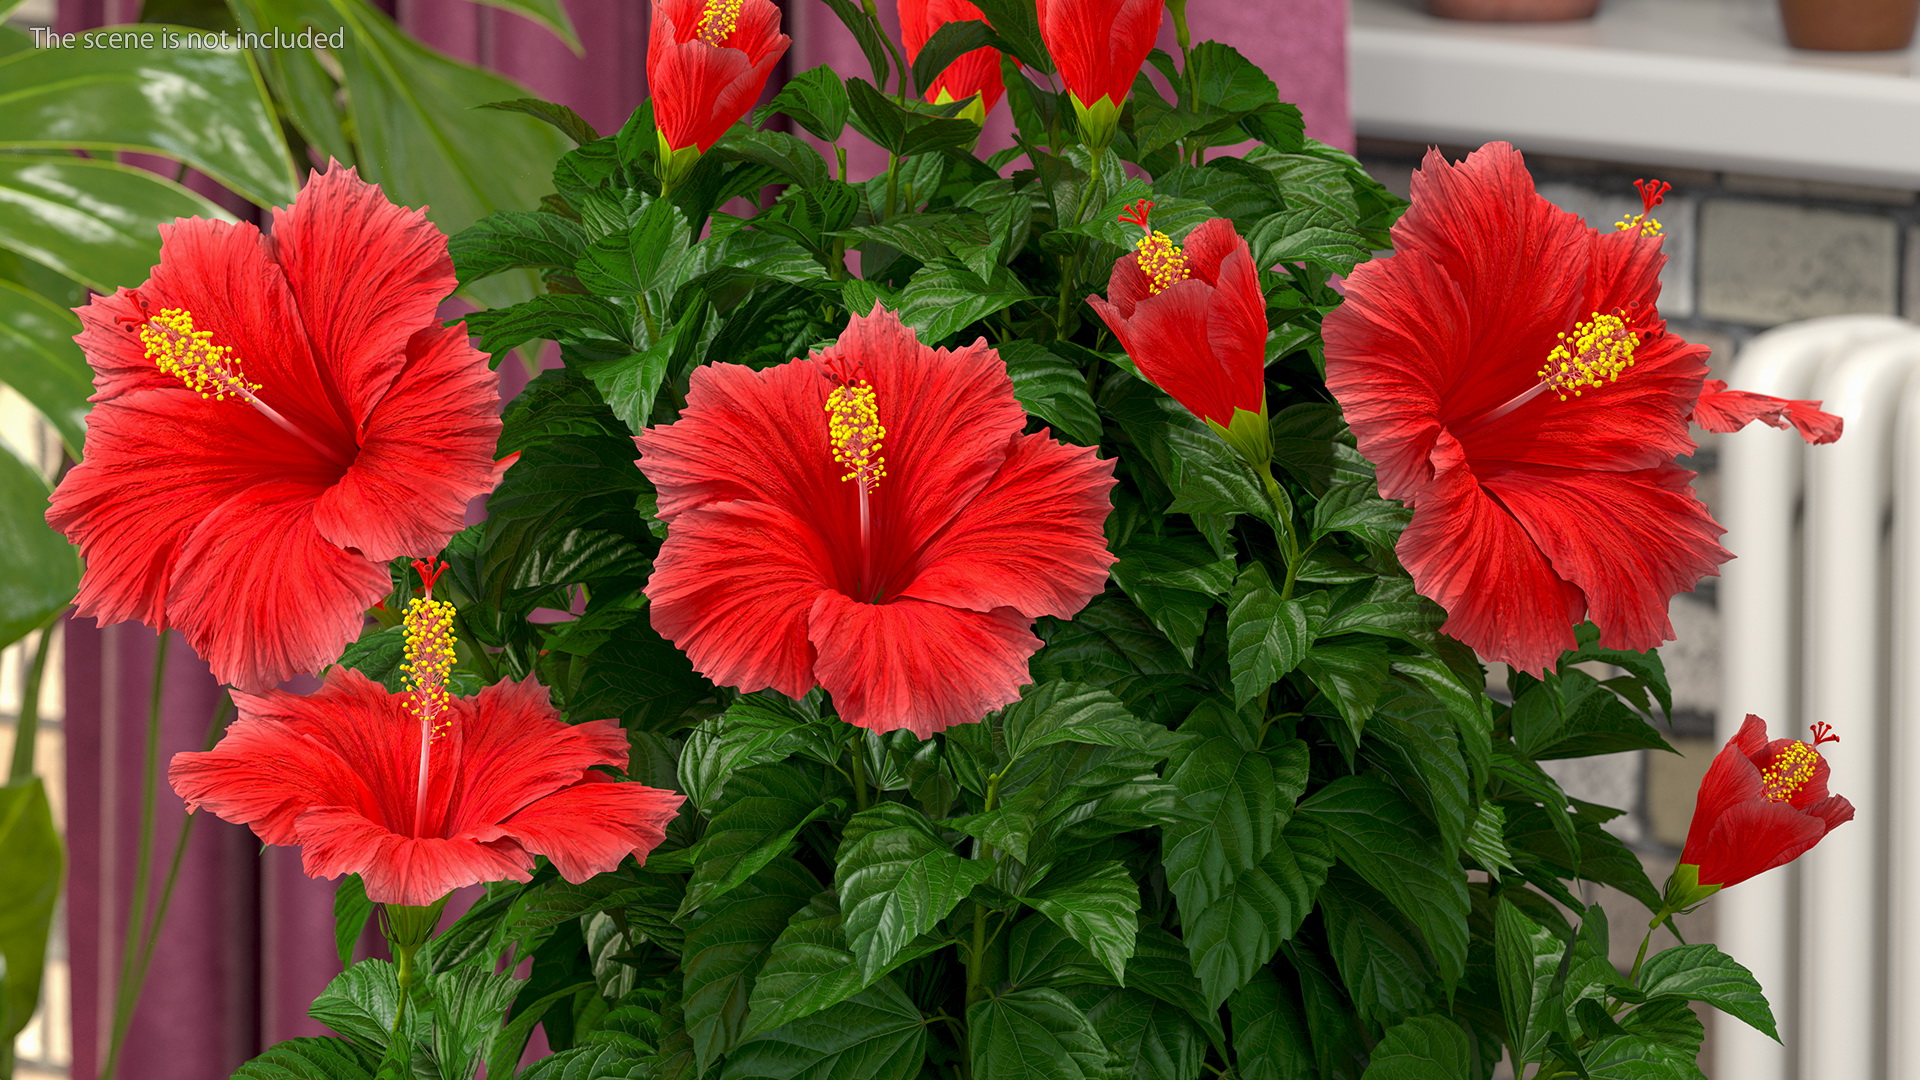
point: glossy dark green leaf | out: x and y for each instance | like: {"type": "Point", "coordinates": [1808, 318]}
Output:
{"type": "Point", "coordinates": [310, 1059]}
{"type": "Point", "coordinates": [1351, 676]}
{"type": "Point", "coordinates": [816, 99]}
{"type": "Point", "coordinates": [1193, 462]}
{"type": "Point", "coordinates": [1668, 1020]}
{"type": "Point", "coordinates": [1053, 389]}
{"type": "Point", "coordinates": [1175, 582]}
{"type": "Point", "coordinates": [942, 301]}
{"type": "Point", "coordinates": [1240, 794]}
{"type": "Point", "coordinates": [565, 120]}
{"type": "Point", "coordinates": [1270, 1040]}
{"type": "Point", "coordinates": [32, 861]}
{"type": "Point", "coordinates": [1374, 830]}
{"type": "Point", "coordinates": [1382, 965]}
{"type": "Point", "coordinates": [1262, 907]}
{"type": "Point", "coordinates": [40, 572]}
{"type": "Point", "coordinates": [554, 317]}
{"type": "Point", "coordinates": [1385, 606]}
{"type": "Point", "coordinates": [467, 1006]}
{"type": "Point", "coordinates": [1486, 840]}
{"type": "Point", "coordinates": [1149, 1038]}
{"type": "Point", "coordinates": [205, 107]}
{"type": "Point", "coordinates": [949, 42]}
{"type": "Point", "coordinates": [1636, 1057]}
{"type": "Point", "coordinates": [1422, 1048]}
{"type": "Point", "coordinates": [1033, 1033]}
{"type": "Point", "coordinates": [727, 943]}
{"type": "Point", "coordinates": [1055, 712]}
{"type": "Point", "coordinates": [94, 221]}
{"type": "Point", "coordinates": [43, 363]}
{"type": "Point", "coordinates": [362, 1002]}
{"type": "Point", "coordinates": [1267, 637]}
{"type": "Point", "coordinates": [811, 967]}
{"type": "Point", "coordinates": [757, 729]}
{"type": "Point", "coordinates": [640, 259]}
{"type": "Point", "coordinates": [1526, 960]}
{"type": "Point", "coordinates": [1098, 903]}
{"type": "Point", "coordinates": [1411, 739]}
{"type": "Point", "coordinates": [867, 34]}
{"type": "Point", "coordinates": [1018, 25]}
{"type": "Point", "coordinates": [507, 239]}
{"type": "Point", "coordinates": [351, 910]}
{"type": "Point", "coordinates": [878, 1034]}
{"type": "Point", "coordinates": [896, 878]}
{"type": "Point", "coordinates": [1701, 972]}
{"type": "Point", "coordinates": [765, 807]}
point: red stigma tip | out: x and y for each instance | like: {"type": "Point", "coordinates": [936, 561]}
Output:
{"type": "Point", "coordinates": [430, 569]}
{"type": "Point", "coordinates": [1652, 193]}
{"type": "Point", "coordinates": [1137, 213]}
{"type": "Point", "coordinates": [1823, 732]}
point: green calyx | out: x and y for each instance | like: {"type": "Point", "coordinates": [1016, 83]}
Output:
{"type": "Point", "coordinates": [407, 928]}
{"type": "Point", "coordinates": [1098, 121]}
{"type": "Point", "coordinates": [1249, 436]}
{"type": "Point", "coordinates": [1684, 890]}
{"type": "Point", "coordinates": [675, 165]}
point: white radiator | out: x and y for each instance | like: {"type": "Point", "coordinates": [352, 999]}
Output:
{"type": "Point", "coordinates": [1820, 617]}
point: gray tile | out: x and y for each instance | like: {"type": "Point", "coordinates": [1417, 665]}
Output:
{"type": "Point", "coordinates": [1749, 183]}
{"type": "Point", "coordinates": [1765, 263]}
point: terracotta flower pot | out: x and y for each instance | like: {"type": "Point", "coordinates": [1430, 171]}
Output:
{"type": "Point", "coordinates": [1849, 25]}
{"type": "Point", "coordinates": [1514, 10]}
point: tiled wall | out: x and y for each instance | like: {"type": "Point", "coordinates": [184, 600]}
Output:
{"type": "Point", "coordinates": [1744, 253]}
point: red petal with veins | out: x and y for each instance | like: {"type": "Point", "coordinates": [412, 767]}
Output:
{"type": "Point", "coordinates": [1099, 45]}
{"type": "Point", "coordinates": [1737, 831]}
{"type": "Point", "coordinates": [1726, 411]}
{"type": "Point", "coordinates": [915, 665]}
{"type": "Point", "coordinates": [337, 773]}
{"type": "Point", "coordinates": [698, 89]}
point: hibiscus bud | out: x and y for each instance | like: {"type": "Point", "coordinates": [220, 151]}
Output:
{"type": "Point", "coordinates": [707, 61]}
{"type": "Point", "coordinates": [1761, 805]}
{"type": "Point", "coordinates": [973, 77]}
{"type": "Point", "coordinates": [1099, 46]}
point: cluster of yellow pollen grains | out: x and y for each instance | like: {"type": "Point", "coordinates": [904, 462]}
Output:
{"type": "Point", "coordinates": [429, 624]}
{"type": "Point", "coordinates": [853, 428]}
{"type": "Point", "coordinates": [717, 20]}
{"type": "Point", "coordinates": [1646, 225]}
{"type": "Point", "coordinates": [1789, 772]}
{"type": "Point", "coordinates": [1161, 260]}
{"type": "Point", "coordinates": [1593, 355]}
{"type": "Point", "coordinates": [190, 355]}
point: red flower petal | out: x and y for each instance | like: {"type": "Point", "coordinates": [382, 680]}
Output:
{"type": "Point", "coordinates": [589, 828]}
{"type": "Point", "coordinates": [1468, 554]}
{"type": "Point", "coordinates": [915, 665]}
{"type": "Point", "coordinates": [1725, 411]}
{"type": "Point", "coordinates": [1099, 45]}
{"type": "Point", "coordinates": [366, 275]}
{"type": "Point", "coordinates": [397, 869]}
{"type": "Point", "coordinates": [699, 90]}
{"type": "Point", "coordinates": [1033, 540]}
{"type": "Point", "coordinates": [1737, 831]}
{"type": "Point", "coordinates": [1628, 540]}
{"type": "Point", "coordinates": [259, 594]}
{"type": "Point", "coordinates": [515, 750]}
{"type": "Point", "coordinates": [732, 588]}
{"type": "Point", "coordinates": [1754, 837]}
{"type": "Point", "coordinates": [425, 451]}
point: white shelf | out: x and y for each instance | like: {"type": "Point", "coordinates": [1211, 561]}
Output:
{"type": "Point", "coordinates": [1705, 84]}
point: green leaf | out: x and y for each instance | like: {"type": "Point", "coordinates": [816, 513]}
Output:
{"type": "Point", "coordinates": [1096, 902]}
{"type": "Point", "coordinates": [1526, 959]}
{"type": "Point", "coordinates": [1152, 1039]}
{"type": "Point", "coordinates": [1018, 26]}
{"type": "Point", "coordinates": [506, 239]}
{"type": "Point", "coordinates": [1351, 676]}
{"type": "Point", "coordinates": [1378, 953]}
{"type": "Point", "coordinates": [1262, 908]}
{"type": "Point", "coordinates": [816, 99]}
{"type": "Point", "coordinates": [1270, 1040]}
{"type": "Point", "coordinates": [1422, 1048]}
{"type": "Point", "coordinates": [1486, 840]}
{"type": "Point", "coordinates": [811, 968]}
{"type": "Point", "coordinates": [640, 259]}
{"type": "Point", "coordinates": [1383, 607]}
{"type": "Point", "coordinates": [43, 363]}
{"type": "Point", "coordinates": [878, 1034]}
{"type": "Point", "coordinates": [1267, 637]}
{"type": "Point", "coordinates": [757, 729]}
{"type": "Point", "coordinates": [1646, 667]}
{"type": "Point", "coordinates": [1701, 972]}
{"type": "Point", "coordinates": [1175, 582]}
{"type": "Point", "coordinates": [896, 878]}
{"type": "Point", "coordinates": [1051, 388]}
{"type": "Point", "coordinates": [1668, 1020]}
{"type": "Point", "coordinates": [766, 807]}
{"type": "Point", "coordinates": [598, 1061]}
{"type": "Point", "coordinates": [727, 943]}
{"type": "Point", "coordinates": [1634, 1057]}
{"type": "Point", "coordinates": [1035, 1032]}
{"type": "Point", "coordinates": [468, 1005]}
{"type": "Point", "coordinates": [1411, 739]}
{"type": "Point", "coordinates": [550, 14]}
{"type": "Point", "coordinates": [565, 120]}
{"type": "Point", "coordinates": [1374, 830]}
{"type": "Point", "coordinates": [41, 571]}
{"type": "Point", "coordinates": [949, 43]}
{"type": "Point", "coordinates": [1194, 463]}
{"type": "Point", "coordinates": [553, 317]}
{"type": "Point", "coordinates": [940, 302]}
{"type": "Point", "coordinates": [362, 1002]}
{"type": "Point", "coordinates": [32, 861]}
{"type": "Point", "coordinates": [1055, 712]}
{"type": "Point", "coordinates": [1572, 714]}
{"type": "Point", "coordinates": [204, 107]}
{"type": "Point", "coordinates": [1240, 794]}
{"type": "Point", "coordinates": [351, 910]}
{"type": "Point", "coordinates": [310, 1059]}
{"type": "Point", "coordinates": [865, 32]}
{"type": "Point", "coordinates": [94, 221]}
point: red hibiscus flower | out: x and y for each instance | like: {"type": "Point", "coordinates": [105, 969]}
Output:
{"type": "Point", "coordinates": [973, 73]}
{"type": "Point", "coordinates": [905, 582]}
{"type": "Point", "coordinates": [1507, 373]}
{"type": "Point", "coordinates": [273, 420]}
{"type": "Point", "coordinates": [421, 793]}
{"type": "Point", "coordinates": [1760, 805]}
{"type": "Point", "coordinates": [707, 61]}
{"type": "Point", "coordinates": [1099, 46]}
{"type": "Point", "coordinates": [1723, 410]}
{"type": "Point", "coordinates": [1195, 323]}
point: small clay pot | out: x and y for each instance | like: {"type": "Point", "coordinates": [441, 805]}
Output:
{"type": "Point", "coordinates": [1849, 25]}
{"type": "Point", "coordinates": [1518, 10]}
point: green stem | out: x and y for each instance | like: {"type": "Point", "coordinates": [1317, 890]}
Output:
{"type": "Point", "coordinates": [1289, 533]}
{"type": "Point", "coordinates": [27, 728]}
{"type": "Point", "coordinates": [1661, 916]}
{"type": "Point", "coordinates": [127, 992]}
{"type": "Point", "coordinates": [893, 50]}
{"type": "Point", "coordinates": [1070, 264]}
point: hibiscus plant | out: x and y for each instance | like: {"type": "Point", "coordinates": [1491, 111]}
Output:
{"type": "Point", "coordinates": [1023, 614]}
